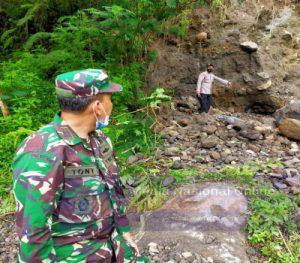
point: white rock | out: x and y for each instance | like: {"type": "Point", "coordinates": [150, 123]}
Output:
{"type": "Point", "coordinates": [265, 85]}
{"type": "Point", "coordinates": [152, 244]}
{"type": "Point", "coordinates": [251, 152]}
{"type": "Point", "coordinates": [249, 46]}
{"type": "Point", "coordinates": [176, 158]}
{"type": "Point", "coordinates": [187, 254]}
{"type": "Point", "coordinates": [153, 250]}
{"type": "Point", "coordinates": [294, 146]}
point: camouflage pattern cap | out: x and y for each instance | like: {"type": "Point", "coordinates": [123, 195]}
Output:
{"type": "Point", "coordinates": [84, 83]}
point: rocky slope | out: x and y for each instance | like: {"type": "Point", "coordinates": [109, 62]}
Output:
{"type": "Point", "coordinates": [264, 78]}
{"type": "Point", "coordinates": [208, 141]}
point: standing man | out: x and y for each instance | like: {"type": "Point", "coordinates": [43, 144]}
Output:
{"type": "Point", "coordinates": [204, 87]}
{"type": "Point", "coordinates": [70, 203]}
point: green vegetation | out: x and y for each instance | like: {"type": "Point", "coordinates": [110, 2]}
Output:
{"type": "Point", "coordinates": [41, 39]}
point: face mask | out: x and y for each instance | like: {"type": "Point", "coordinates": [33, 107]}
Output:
{"type": "Point", "coordinates": [101, 124]}
{"type": "Point", "coordinates": [209, 70]}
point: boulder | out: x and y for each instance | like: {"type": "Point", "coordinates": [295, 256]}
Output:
{"type": "Point", "coordinates": [210, 141]}
{"type": "Point", "coordinates": [250, 134]}
{"type": "Point", "coordinates": [290, 128]}
{"type": "Point", "coordinates": [209, 129]}
{"type": "Point", "coordinates": [291, 110]}
{"type": "Point", "coordinates": [249, 46]}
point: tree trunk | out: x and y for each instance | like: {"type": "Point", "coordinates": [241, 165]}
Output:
{"type": "Point", "coordinates": [3, 106]}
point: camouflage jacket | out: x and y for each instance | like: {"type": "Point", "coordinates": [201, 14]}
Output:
{"type": "Point", "coordinates": [66, 189]}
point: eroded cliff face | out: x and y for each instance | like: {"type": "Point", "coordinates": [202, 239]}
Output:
{"type": "Point", "coordinates": [263, 79]}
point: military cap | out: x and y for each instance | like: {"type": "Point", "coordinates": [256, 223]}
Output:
{"type": "Point", "coordinates": [84, 83]}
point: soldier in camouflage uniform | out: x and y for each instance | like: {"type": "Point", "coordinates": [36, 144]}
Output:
{"type": "Point", "coordinates": [70, 203]}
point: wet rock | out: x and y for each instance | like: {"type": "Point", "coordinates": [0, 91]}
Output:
{"type": "Point", "coordinates": [210, 142]}
{"type": "Point", "coordinates": [290, 128]}
{"type": "Point", "coordinates": [249, 46]}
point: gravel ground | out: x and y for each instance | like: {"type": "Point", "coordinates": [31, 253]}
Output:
{"type": "Point", "coordinates": [168, 253]}
{"type": "Point", "coordinates": [8, 239]}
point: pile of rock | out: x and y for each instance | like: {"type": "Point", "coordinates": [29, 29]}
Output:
{"type": "Point", "coordinates": [287, 180]}
{"type": "Point", "coordinates": [288, 120]}
{"type": "Point", "coordinates": [171, 253]}
{"type": "Point", "coordinates": [208, 141]}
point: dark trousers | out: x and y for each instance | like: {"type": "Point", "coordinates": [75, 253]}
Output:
{"type": "Point", "coordinates": [205, 102]}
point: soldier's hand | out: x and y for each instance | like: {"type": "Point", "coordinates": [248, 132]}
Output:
{"type": "Point", "coordinates": [129, 240]}
{"type": "Point", "coordinates": [198, 93]}
{"type": "Point", "coordinates": [229, 84]}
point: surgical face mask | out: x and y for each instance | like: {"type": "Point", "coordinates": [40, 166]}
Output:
{"type": "Point", "coordinates": [101, 124]}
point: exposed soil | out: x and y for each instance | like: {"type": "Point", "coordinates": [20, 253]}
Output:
{"type": "Point", "coordinates": [263, 80]}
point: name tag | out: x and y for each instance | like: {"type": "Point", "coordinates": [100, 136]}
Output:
{"type": "Point", "coordinates": [80, 171]}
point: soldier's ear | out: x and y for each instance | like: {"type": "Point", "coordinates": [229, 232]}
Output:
{"type": "Point", "coordinates": [93, 107]}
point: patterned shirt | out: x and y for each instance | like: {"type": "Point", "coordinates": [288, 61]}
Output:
{"type": "Point", "coordinates": [67, 190]}
{"type": "Point", "coordinates": [205, 81]}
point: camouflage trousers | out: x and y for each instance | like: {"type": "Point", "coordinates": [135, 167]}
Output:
{"type": "Point", "coordinates": [116, 250]}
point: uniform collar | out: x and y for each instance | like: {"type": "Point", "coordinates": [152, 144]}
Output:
{"type": "Point", "coordinates": [66, 133]}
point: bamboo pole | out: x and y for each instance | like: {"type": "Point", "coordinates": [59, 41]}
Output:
{"type": "Point", "coordinates": [3, 106]}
